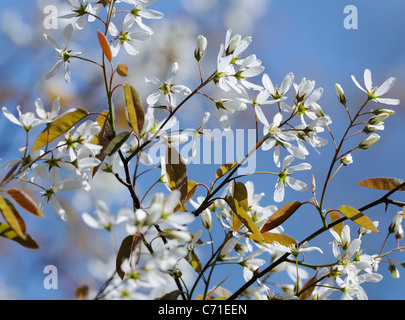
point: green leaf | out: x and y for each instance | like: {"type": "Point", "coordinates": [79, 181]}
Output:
{"type": "Point", "coordinates": [193, 260]}
{"type": "Point", "coordinates": [7, 232]}
{"type": "Point", "coordinates": [25, 201]}
{"type": "Point", "coordinates": [128, 245]}
{"type": "Point", "coordinates": [191, 189]}
{"type": "Point", "coordinates": [357, 217]}
{"type": "Point", "coordinates": [281, 215]}
{"type": "Point", "coordinates": [239, 192]}
{"type": "Point", "coordinates": [12, 217]}
{"type": "Point", "coordinates": [117, 142]}
{"type": "Point", "coordinates": [224, 169]}
{"type": "Point", "coordinates": [134, 109]}
{"type": "Point", "coordinates": [176, 171]}
{"type": "Point", "coordinates": [335, 216]}
{"type": "Point", "coordinates": [270, 237]}
{"type": "Point", "coordinates": [104, 45]}
{"type": "Point", "coordinates": [382, 183]}
{"type": "Point", "coordinates": [244, 217]}
{"type": "Point", "coordinates": [58, 127]}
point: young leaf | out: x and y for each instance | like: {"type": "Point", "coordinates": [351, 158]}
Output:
{"type": "Point", "coordinates": [357, 217]}
{"type": "Point", "coordinates": [193, 260]}
{"type": "Point", "coordinates": [171, 295]}
{"type": "Point", "coordinates": [382, 183]}
{"type": "Point", "coordinates": [176, 171]}
{"type": "Point", "coordinates": [308, 288]}
{"type": "Point", "coordinates": [191, 189]}
{"type": "Point", "coordinates": [224, 169]}
{"type": "Point", "coordinates": [239, 192]}
{"type": "Point", "coordinates": [12, 217]}
{"type": "Point", "coordinates": [134, 109]}
{"type": "Point", "coordinates": [58, 127]}
{"type": "Point", "coordinates": [25, 201]}
{"type": "Point", "coordinates": [281, 215]}
{"type": "Point", "coordinates": [122, 70]}
{"type": "Point", "coordinates": [335, 216]}
{"type": "Point", "coordinates": [117, 142]}
{"type": "Point", "coordinates": [103, 138]}
{"type": "Point", "coordinates": [128, 245]}
{"type": "Point", "coordinates": [270, 237]}
{"type": "Point", "coordinates": [104, 45]}
{"type": "Point", "coordinates": [7, 232]}
{"type": "Point", "coordinates": [244, 217]}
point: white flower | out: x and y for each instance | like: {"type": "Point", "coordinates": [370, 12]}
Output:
{"type": "Point", "coordinates": [294, 249]}
{"type": "Point", "coordinates": [139, 11]}
{"type": "Point", "coordinates": [275, 92]}
{"type": "Point", "coordinates": [125, 38]}
{"type": "Point", "coordinates": [80, 9]}
{"type": "Point", "coordinates": [25, 120]}
{"type": "Point", "coordinates": [250, 264]}
{"type": "Point", "coordinates": [161, 210]}
{"type": "Point", "coordinates": [104, 220]}
{"type": "Point", "coordinates": [235, 45]}
{"type": "Point", "coordinates": [167, 88]}
{"type": "Point", "coordinates": [284, 177]}
{"type": "Point", "coordinates": [57, 186]}
{"type": "Point", "coordinates": [248, 68]}
{"type": "Point", "coordinates": [278, 137]}
{"type": "Point", "coordinates": [303, 89]}
{"type": "Point", "coordinates": [47, 116]}
{"type": "Point", "coordinates": [227, 106]}
{"type": "Point", "coordinates": [64, 54]}
{"type": "Point", "coordinates": [309, 133]}
{"type": "Point", "coordinates": [375, 93]}
{"type": "Point", "coordinates": [346, 160]}
{"type": "Point", "coordinates": [79, 143]}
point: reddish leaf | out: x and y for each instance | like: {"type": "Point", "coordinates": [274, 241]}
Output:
{"type": "Point", "coordinates": [382, 183]}
{"type": "Point", "coordinates": [104, 45]}
{"type": "Point", "coordinates": [128, 245]}
{"type": "Point", "coordinates": [281, 215]}
{"type": "Point", "coordinates": [25, 201]}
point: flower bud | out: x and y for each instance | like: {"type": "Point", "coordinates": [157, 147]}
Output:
{"type": "Point", "coordinates": [346, 160]}
{"type": "Point", "coordinates": [378, 118]}
{"type": "Point", "coordinates": [201, 46]}
{"type": "Point", "coordinates": [379, 111]}
{"type": "Point", "coordinates": [206, 219]}
{"type": "Point", "coordinates": [396, 222]}
{"type": "Point", "coordinates": [369, 141]}
{"type": "Point", "coordinates": [340, 94]}
{"type": "Point", "coordinates": [399, 234]}
{"type": "Point", "coordinates": [394, 271]}
{"type": "Point", "coordinates": [371, 128]}
{"type": "Point", "coordinates": [233, 44]}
